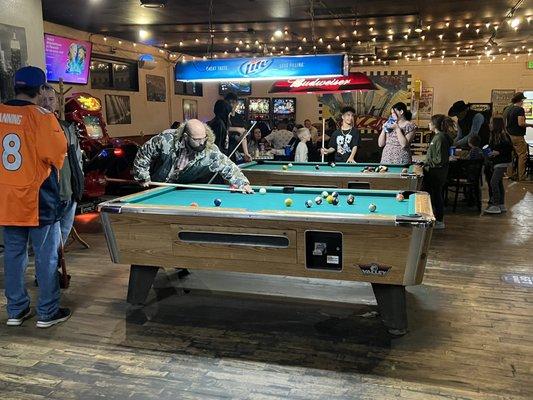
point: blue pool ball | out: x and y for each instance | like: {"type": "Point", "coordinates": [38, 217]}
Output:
{"type": "Point", "coordinates": [217, 202]}
{"type": "Point", "coordinates": [317, 167]}
{"type": "Point", "coordinates": [335, 194]}
{"type": "Point", "coordinates": [335, 201]}
{"type": "Point", "coordinates": [325, 194]}
{"type": "Point", "coordinates": [351, 199]}
{"type": "Point", "coordinates": [308, 203]}
{"type": "Point", "coordinates": [262, 190]}
{"type": "Point", "coordinates": [318, 200]}
{"type": "Point", "coordinates": [372, 207]}
{"type": "Point", "coordinates": [290, 165]}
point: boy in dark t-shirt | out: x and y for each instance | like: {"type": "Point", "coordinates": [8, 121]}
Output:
{"type": "Point", "coordinates": [344, 141]}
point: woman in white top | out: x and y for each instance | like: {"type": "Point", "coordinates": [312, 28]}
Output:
{"type": "Point", "coordinates": [302, 153]}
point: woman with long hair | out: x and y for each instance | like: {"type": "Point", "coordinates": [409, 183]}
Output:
{"type": "Point", "coordinates": [436, 163]}
{"type": "Point", "coordinates": [396, 136]}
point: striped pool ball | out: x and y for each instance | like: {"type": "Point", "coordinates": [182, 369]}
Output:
{"type": "Point", "coordinates": [335, 194]}
{"type": "Point", "coordinates": [288, 202]}
{"type": "Point", "coordinates": [325, 194]}
{"type": "Point", "coordinates": [405, 170]}
{"type": "Point", "coordinates": [335, 201]}
{"type": "Point", "coordinates": [350, 200]}
{"type": "Point", "coordinates": [372, 207]}
{"type": "Point", "coordinates": [400, 197]}
{"type": "Point", "coordinates": [318, 200]}
{"type": "Point", "coordinates": [194, 204]}
{"type": "Point", "coordinates": [309, 204]}
{"type": "Point", "coordinates": [332, 165]}
{"type": "Point", "coordinates": [217, 202]}
{"type": "Point", "coordinates": [317, 167]}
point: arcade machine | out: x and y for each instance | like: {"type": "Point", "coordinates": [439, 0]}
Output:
{"type": "Point", "coordinates": [259, 110]}
{"type": "Point", "coordinates": [103, 156]}
{"type": "Point", "coordinates": [284, 108]}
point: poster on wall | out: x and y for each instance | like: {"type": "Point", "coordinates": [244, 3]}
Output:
{"type": "Point", "coordinates": [118, 111]}
{"type": "Point", "coordinates": [500, 98]}
{"type": "Point", "coordinates": [13, 55]}
{"type": "Point", "coordinates": [190, 109]}
{"type": "Point", "coordinates": [425, 104]}
{"type": "Point", "coordinates": [156, 89]}
{"type": "Point", "coordinates": [67, 59]}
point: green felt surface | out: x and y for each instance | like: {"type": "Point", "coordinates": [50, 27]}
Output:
{"type": "Point", "coordinates": [273, 200]}
{"type": "Point", "coordinates": [340, 168]}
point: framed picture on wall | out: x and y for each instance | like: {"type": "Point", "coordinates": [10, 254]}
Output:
{"type": "Point", "coordinates": [13, 55]}
{"type": "Point", "coordinates": [156, 89]}
{"type": "Point", "coordinates": [190, 109]}
{"type": "Point", "coordinates": [118, 110]}
{"type": "Point", "coordinates": [500, 98]}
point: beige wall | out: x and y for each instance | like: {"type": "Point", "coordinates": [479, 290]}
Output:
{"type": "Point", "coordinates": [28, 15]}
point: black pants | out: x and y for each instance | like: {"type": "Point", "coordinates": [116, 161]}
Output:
{"type": "Point", "coordinates": [433, 183]}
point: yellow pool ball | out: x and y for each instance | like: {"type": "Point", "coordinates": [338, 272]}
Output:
{"type": "Point", "coordinates": [288, 202]}
{"type": "Point", "coordinates": [284, 168]}
{"type": "Point", "coordinates": [329, 199]}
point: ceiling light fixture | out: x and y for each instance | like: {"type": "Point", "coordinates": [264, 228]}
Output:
{"type": "Point", "coordinates": [418, 28]}
{"type": "Point", "coordinates": [153, 3]}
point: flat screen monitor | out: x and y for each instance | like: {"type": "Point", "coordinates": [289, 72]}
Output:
{"type": "Point", "coordinates": [239, 88]}
{"type": "Point", "coordinates": [67, 59]}
{"type": "Point", "coordinates": [259, 106]}
{"type": "Point", "coordinates": [241, 107]}
{"type": "Point", "coordinates": [284, 106]}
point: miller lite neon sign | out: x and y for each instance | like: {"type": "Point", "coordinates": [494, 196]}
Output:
{"type": "Point", "coordinates": [289, 67]}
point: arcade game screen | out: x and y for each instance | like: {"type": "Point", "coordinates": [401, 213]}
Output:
{"type": "Point", "coordinates": [239, 88]}
{"type": "Point", "coordinates": [67, 59]}
{"type": "Point", "coordinates": [92, 124]}
{"type": "Point", "coordinates": [241, 107]}
{"type": "Point", "coordinates": [259, 106]}
{"type": "Point", "coordinates": [284, 106]}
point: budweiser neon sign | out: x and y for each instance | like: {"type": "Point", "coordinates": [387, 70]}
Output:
{"type": "Point", "coordinates": [354, 81]}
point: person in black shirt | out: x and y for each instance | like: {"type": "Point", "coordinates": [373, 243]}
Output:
{"type": "Point", "coordinates": [515, 124]}
{"type": "Point", "coordinates": [344, 142]}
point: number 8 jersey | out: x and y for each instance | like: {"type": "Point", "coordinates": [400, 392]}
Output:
{"type": "Point", "coordinates": [32, 145]}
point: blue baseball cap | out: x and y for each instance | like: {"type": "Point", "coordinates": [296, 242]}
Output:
{"type": "Point", "coordinates": [30, 77]}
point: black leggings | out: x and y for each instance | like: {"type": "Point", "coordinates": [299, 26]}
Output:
{"type": "Point", "coordinates": [433, 183]}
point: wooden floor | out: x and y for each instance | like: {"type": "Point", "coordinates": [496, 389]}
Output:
{"type": "Point", "coordinates": [471, 334]}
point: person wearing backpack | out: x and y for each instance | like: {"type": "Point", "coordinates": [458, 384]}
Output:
{"type": "Point", "coordinates": [515, 125]}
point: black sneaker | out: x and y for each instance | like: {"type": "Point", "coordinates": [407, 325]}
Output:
{"type": "Point", "coordinates": [19, 319]}
{"type": "Point", "coordinates": [60, 316]}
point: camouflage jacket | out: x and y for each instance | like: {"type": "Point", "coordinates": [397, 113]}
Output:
{"type": "Point", "coordinates": [157, 161]}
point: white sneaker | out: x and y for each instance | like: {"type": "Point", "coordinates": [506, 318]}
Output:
{"type": "Point", "coordinates": [503, 208]}
{"type": "Point", "coordinates": [492, 210]}
{"type": "Point", "coordinates": [440, 225]}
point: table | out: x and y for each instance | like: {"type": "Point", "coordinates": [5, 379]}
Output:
{"type": "Point", "coordinates": [343, 175]}
{"type": "Point", "coordinates": [258, 234]}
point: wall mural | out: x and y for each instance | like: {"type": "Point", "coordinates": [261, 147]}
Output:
{"type": "Point", "coordinates": [372, 107]}
{"type": "Point", "coordinates": [13, 55]}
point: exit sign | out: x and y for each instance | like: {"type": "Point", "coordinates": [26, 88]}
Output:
{"type": "Point", "coordinates": [530, 64]}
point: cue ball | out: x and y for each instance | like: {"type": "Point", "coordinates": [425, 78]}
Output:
{"type": "Point", "coordinates": [350, 200]}
{"type": "Point", "coordinates": [335, 194]}
{"type": "Point", "coordinates": [335, 201]}
{"type": "Point", "coordinates": [329, 199]}
{"type": "Point", "coordinates": [372, 207]}
{"type": "Point", "coordinates": [400, 197]}
{"type": "Point", "coordinates": [325, 194]}
{"type": "Point", "coordinates": [317, 167]}
{"type": "Point", "coordinates": [405, 170]}
{"type": "Point", "coordinates": [284, 168]}
{"type": "Point", "coordinates": [318, 200]}
{"type": "Point", "coordinates": [262, 190]}
{"type": "Point", "coordinates": [194, 204]}
{"type": "Point", "coordinates": [290, 165]}
{"type": "Point", "coordinates": [308, 203]}
{"type": "Point", "coordinates": [332, 165]}
{"type": "Point", "coordinates": [217, 202]}
{"type": "Point", "coordinates": [288, 202]}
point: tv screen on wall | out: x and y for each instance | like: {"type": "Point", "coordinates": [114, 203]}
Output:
{"type": "Point", "coordinates": [67, 59]}
{"type": "Point", "coordinates": [259, 105]}
{"type": "Point", "coordinates": [284, 106]}
{"type": "Point", "coordinates": [239, 88]}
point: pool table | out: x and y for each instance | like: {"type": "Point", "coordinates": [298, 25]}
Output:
{"type": "Point", "coordinates": [342, 175]}
{"type": "Point", "coordinates": [181, 226]}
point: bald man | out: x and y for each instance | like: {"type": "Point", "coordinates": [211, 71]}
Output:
{"type": "Point", "coordinates": [186, 155]}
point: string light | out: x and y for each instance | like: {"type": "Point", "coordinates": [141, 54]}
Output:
{"type": "Point", "coordinates": [354, 32]}
{"type": "Point", "coordinates": [343, 45]}
{"type": "Point", "coordinates": [478, 30]}
{"type": "Point", "coordinates": [197, 40]}
{"type": "Point", "coordinates": [337, 38]}
{"type": "Point", "coordinates": [447, 24]}
{"type": "Point", "coordinates": [304, 39]}
{"type": "Point", "coordinates": [441, 36]}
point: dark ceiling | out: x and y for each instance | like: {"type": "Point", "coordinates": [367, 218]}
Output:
{"type": "Point", "coordinates": [247, 27]}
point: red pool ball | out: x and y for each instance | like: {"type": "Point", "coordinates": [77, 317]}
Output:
{"type": "Point", "coordinates": [400, 197]}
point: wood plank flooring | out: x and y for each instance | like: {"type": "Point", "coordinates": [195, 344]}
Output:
{"type": "Point", "coordinates": [471, 334]}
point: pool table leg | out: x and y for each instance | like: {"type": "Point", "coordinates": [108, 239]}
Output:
{"type": "Point", "coordinates": [141, 280]}
{"type": "Point", "coordinates": [392, 307]}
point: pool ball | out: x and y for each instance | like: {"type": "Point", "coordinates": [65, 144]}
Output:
{"type": "Point", "coordinates": [217, 202]}
{"type": "Point", "coordinates": [308, 203]}
{"type": "Point", "coordinates": [317, 167]}
{"type": "Point", "coordinates": [351, 199]}
{"type": "Point", "coordinates": [405, 170]}
{"type": "Point", "coordinates": [290, 165]}
{"type": "Point", "coordinates": [332, 165]}
{"type": "Point", "coordinates": [288, 202]}
{"type": "Point", "coordinates": [335, 194]}
{"type": "Point", "coordinates": [194, 204]}
{"type": "Point", "coordinates": [400, 197]}
{"type": "Point", "coordinates": [329, 199]}
{"type": "Point", "coordinates": [385, 168]}
{"type": "Point", "coordinates": [325, 194]}
{"type": "Point", "coordinates": [284, 168]}
{"type": "Point", "coordinates": [335, 201]}
{"type": "Point", "coordinates": [262, 190]}
{"type": "Point", "coordinates": [318, 200]}
{"type": "Point", "coordinates": [372, 207]}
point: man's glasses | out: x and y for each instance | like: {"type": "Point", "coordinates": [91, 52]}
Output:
{"type": "Point", "coordinates": [197, 140]}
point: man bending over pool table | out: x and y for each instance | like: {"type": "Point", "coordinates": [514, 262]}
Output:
{"type": "Point", "coordinates": [185, 155]}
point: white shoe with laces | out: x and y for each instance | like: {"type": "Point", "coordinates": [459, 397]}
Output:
{"type": "Point", "coordinates": [492, 210]}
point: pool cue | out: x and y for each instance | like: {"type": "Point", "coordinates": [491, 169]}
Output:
{"type": "Point", "coordinates": [235, 149]}
{"type": "Point", "coordinates": [167, 184]}
{"type": "Point", "coordinates": [323, 133]}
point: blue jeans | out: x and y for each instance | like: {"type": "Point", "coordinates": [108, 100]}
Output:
{"type": "Point", "coordinates": [67, 220]}
{"type": "Point", "coordinates": [45, 240]}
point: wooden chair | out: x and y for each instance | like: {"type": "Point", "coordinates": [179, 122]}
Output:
{"type": "Point", "coordinates": [464, 176]}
